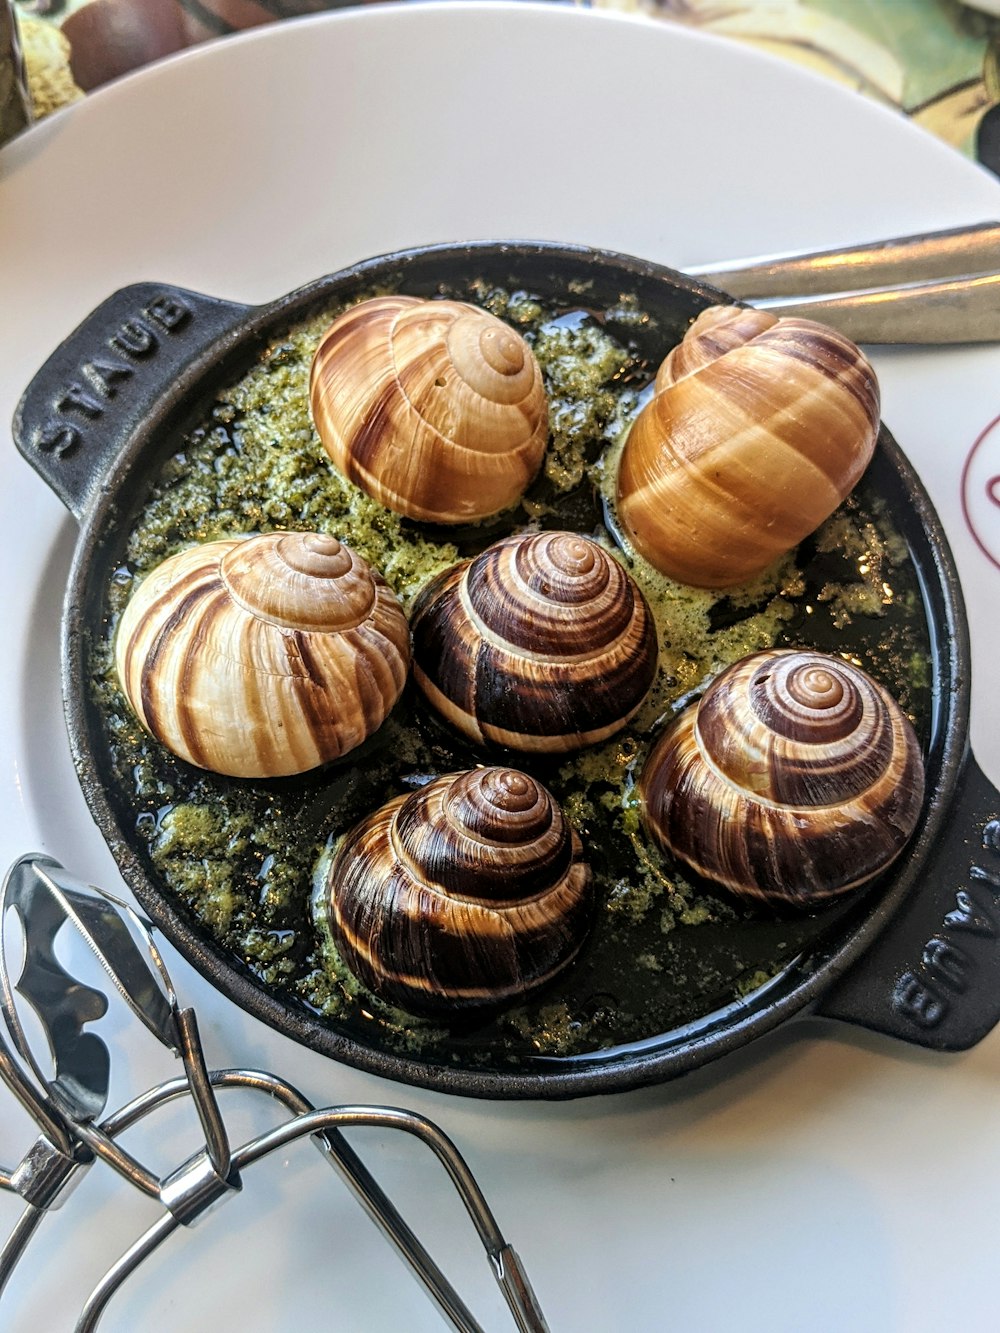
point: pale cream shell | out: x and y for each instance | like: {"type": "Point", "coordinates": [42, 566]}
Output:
{"type": "Point", "coordinates": [434, 408]}
{"type": "Point", "coordinates": [262, 656]}
{"type": "Point", "coordinates": [758, 429]}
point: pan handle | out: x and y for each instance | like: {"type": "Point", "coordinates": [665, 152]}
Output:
{"type": "Point", "coordinates": [82, 407]}
{"type": "Point", "coordinates": [932, 978]}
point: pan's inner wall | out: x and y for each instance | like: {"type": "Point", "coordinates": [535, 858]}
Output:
{"type": "Point", "coordinates": [237, 862]}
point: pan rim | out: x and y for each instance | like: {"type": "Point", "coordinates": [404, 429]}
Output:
{"type": "Point", "coordinates": [624, 1066]}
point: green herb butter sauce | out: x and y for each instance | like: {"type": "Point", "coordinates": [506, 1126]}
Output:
{"type": "Point", "coordinates": [247, 859]}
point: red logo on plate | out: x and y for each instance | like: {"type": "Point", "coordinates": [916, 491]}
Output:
{"type": "Point", "coordinates": [981, 491]}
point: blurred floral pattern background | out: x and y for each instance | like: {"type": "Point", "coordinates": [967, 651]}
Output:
{"type": "Point", "coordinates": [936, 61]}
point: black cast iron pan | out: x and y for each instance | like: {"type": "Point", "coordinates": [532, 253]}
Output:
{"type": "Point", "coordinates": [917, 957]}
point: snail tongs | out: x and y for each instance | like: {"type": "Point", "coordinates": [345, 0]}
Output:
{"type": "Point", "coordinates": [69, 1104]}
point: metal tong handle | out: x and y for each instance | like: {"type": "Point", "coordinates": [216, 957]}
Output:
{"type": "Point", "coordinates": [45, 897]}
{"type": "Point", "coordinates": [933, 287]}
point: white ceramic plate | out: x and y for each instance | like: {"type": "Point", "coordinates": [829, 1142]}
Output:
{"type": "Point", "coordinates": [822, 1181]}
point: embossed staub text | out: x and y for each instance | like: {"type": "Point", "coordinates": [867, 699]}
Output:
{"type": "Point", "coordinates": [81, 399]}
{"type": "Point", "coordinates": [946, 968]}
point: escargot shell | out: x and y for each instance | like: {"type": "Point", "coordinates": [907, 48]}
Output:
{"type": "Point", "coordinates": [758, 429]}
{"type": "Point", "coordinates": [541, 643]}
{"type": "Point", "coordinates": [469, 892]}
{"type": "Point", "coordinates": [795, 778]}
{"type": "Point", "coordinates": [434, 408]}
{"type": "Point", "coordinates": [262, 656]}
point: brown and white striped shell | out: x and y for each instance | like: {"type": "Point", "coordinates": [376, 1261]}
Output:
{"type": "Point", "coordinates": [434, 408]}
{"type": "Point", "coordinates": [796, 777]}
{"type": "Point", "coordinates": [758, 429]}
{"type": "Point", "coordinates": [262, 656]}
{"type": "Point", "coordinates": [470, 892]}
{"type": "Point", "coordinates": [541, 643]}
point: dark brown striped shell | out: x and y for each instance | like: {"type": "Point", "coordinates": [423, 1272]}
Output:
{"type": "Point", "coordinates": [794, 779]}
{"type": "Point", "coordinates": [262, 656]}
{"type": "Point", "coordinates": [758, 429]}
{"type": "Point", "coordinates": [434, 408]}
{"type": "Point", "coordinates": [541, 643]}
{"type": "Point", "coordinates": [468, 893]}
